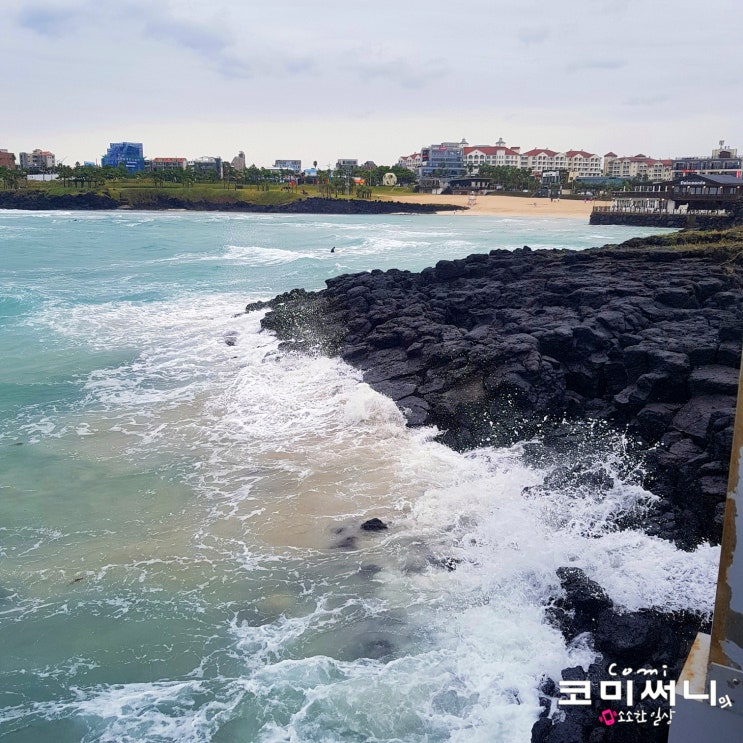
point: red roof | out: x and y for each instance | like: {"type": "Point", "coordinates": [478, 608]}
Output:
{"type": "Point", "coordinates": [610, 154]}
{"type": "Point", "coordinates": [489, 150]}
{"type": "Point", "coordinates": [582, 153]}
{"type": "Point", "coordinates": [539, 151]}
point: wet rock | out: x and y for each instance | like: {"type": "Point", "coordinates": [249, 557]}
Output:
{"type": "Point", "coordinates": [374, 524]}
{"type": "Point", "coordinates": [492, 348]}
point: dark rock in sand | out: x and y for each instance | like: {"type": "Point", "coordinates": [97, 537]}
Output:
{"type": "Point", "coordinates": [374, 525]}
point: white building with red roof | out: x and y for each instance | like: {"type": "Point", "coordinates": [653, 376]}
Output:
{"type": "Point", "coordinates": [577, 163]}
{"type": "Point", "coordinates": [411, 162]}
{"type": "Point", "coordinates": [637, 167]}
{"type": "Point", "coordinates": [498, 155]}
{"type": "Point", "coordinates": [582, 164]}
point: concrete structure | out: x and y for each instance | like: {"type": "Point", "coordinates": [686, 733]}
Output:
{"type": "Point", "coordinates": [7, 159]}
{"type": "Point", "coordinates": [723, 161]}
{"type": "Point", "coordinates": [442, 160]}
{"type": "Point", "coordinates": [347, 164]}
{"type": "Point", "coordinates": [294, 165]}
{"type": "Point", "coordinates": [207, 166]}
{"type": "Point", "coordinates": [37, 160]}
{"type": "Point", "coordinates": [128, 154]}
{"type": "Point", "coordinates": [637, 167]}
{"type": "Point", "coordinates": [168, 163]}
{"type": "Point", "coordinates": [238, 162]}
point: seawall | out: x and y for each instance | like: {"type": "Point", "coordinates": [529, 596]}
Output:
{"type": "Point", "coordinates": [680, 221]}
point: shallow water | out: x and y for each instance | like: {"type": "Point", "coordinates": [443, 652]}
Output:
{"type": "Point", "coordinates": [179, 517]}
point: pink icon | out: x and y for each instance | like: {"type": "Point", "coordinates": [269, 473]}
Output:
{"type": "Point", "coordinates": [608, 717]}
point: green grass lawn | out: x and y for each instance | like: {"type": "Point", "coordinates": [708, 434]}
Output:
{"type": "Point", "coordinates": [145, 191]}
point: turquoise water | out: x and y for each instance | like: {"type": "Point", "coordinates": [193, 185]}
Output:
{"type": "Point", "coordinates": [181, 558]}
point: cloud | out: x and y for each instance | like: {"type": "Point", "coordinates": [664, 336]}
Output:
{"type": "Point", "coordinates": [533, 35]}
{"type": "Point", "coordinates": [645, 100]}
{"type": "Point", "coordinates": [49, 20]}
{"type": "Point", "coordinates": [596, 64]}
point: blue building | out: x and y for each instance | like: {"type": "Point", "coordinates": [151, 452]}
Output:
{"type": "Point", "coordinates": [129, 154]}
{"type": "Point", "coordinates": [442, 160]}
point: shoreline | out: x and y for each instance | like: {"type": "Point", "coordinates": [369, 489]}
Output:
{"type": "Point", "coordinates": [494, 205]}
{"type": "Point", "coordinates": [499, 347]}
{"type": "Point", "coordinates": [502, 205]}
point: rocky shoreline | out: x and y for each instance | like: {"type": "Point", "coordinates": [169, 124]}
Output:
{"type": "Point", "coordinates": [493, 348]}
{"type": "Point", "coordinates": [37, 200]}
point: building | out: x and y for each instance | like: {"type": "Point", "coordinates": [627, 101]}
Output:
{"type": "Point", "coordinates": [685, 194]}
{"type": "Point", "coordinates": [410, 162]}
{"type": "Point", "coordinates": [168, 163]}
{"type": "Point", "coordinates": [294, 165]}
{"type": "Point", "coordinates": [442, 160]}
{"type": "Point", "coordinates": [128, 154]}
{"type": "Point", "coordinates": [497, 155]}
{"type": "Point", "coordinates": [723, 161]}
{"type": "Point", "coordinates": [541, 159]}
{"type": "Point", "coordinates": [469, 184]}
{"type": "Point", "coordinates": [238, 162]}
{"type": "Point", "coordinates": [576, 163]}
{"type": "Point", "coordinates": [38, 160]}
{"type": "Point", "coordinates": [7, 159]}
{"type": "Point", "coordinates": [347, 164]}
{"type": "Point", "coordinates": [207, 167]}
{"type": "Point", "coordinates": [637, 167]}
{"type": "Point", "coordinates": [582, 164]}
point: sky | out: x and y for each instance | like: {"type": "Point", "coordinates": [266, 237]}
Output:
{"type": "Point", "coordinates": [319, 80]}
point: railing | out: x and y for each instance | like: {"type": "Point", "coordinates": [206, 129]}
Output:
{"type": "Point", "coordinates": [645, 210]}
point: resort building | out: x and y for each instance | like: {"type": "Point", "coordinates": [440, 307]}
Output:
{"type": "Point", "coordinates": [637, 167]}
{"type": "Point", "coordinates": [411, 162]}
{"type": "Point", "coordinates": [497, 155]}
{"type": "Point", "coordinates": [723, 161]}
{"type": "Point", "coordinates": [7, 159]}
{"type": "Point", "coordinates": [128, 154]}
{"type": "Point", "coordinates": [577, 163]}
{"type": "Point", "coordinates": [37, 160]}
{"type": "Point", "coordinates": [582, 164]}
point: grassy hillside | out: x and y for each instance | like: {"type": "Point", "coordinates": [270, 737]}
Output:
{"type": "Point", "coordinates": [143, 192]}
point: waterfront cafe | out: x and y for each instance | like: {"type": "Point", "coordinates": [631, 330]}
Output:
{"type": "Point", "coordinates": [689, 193]}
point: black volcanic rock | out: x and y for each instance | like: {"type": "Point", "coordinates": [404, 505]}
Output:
{"type": "Point", "coordinates": [35, 199]}
{"type": "Point", "coordinates": [488, 347]}
{"type": "Point", "coordinates": [493, 348]}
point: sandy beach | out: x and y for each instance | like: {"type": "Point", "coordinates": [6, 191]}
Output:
{"type": "Point", "coordinates": [508, 206]}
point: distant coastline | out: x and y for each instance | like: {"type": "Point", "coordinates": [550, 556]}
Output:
{"type": "Point", "coordinates": [37, 200]}
{"type": "Point", "coordinates": [491, 205]}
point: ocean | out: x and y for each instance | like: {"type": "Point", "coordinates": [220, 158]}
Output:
{"type": "Point", "coordinates": [180, 502]}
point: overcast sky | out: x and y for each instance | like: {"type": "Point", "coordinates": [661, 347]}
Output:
{"type": "Point", "coordinates": [324, 79]}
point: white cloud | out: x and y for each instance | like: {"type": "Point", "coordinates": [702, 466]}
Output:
{"type": "Point", "coordinates": [229, 75]}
